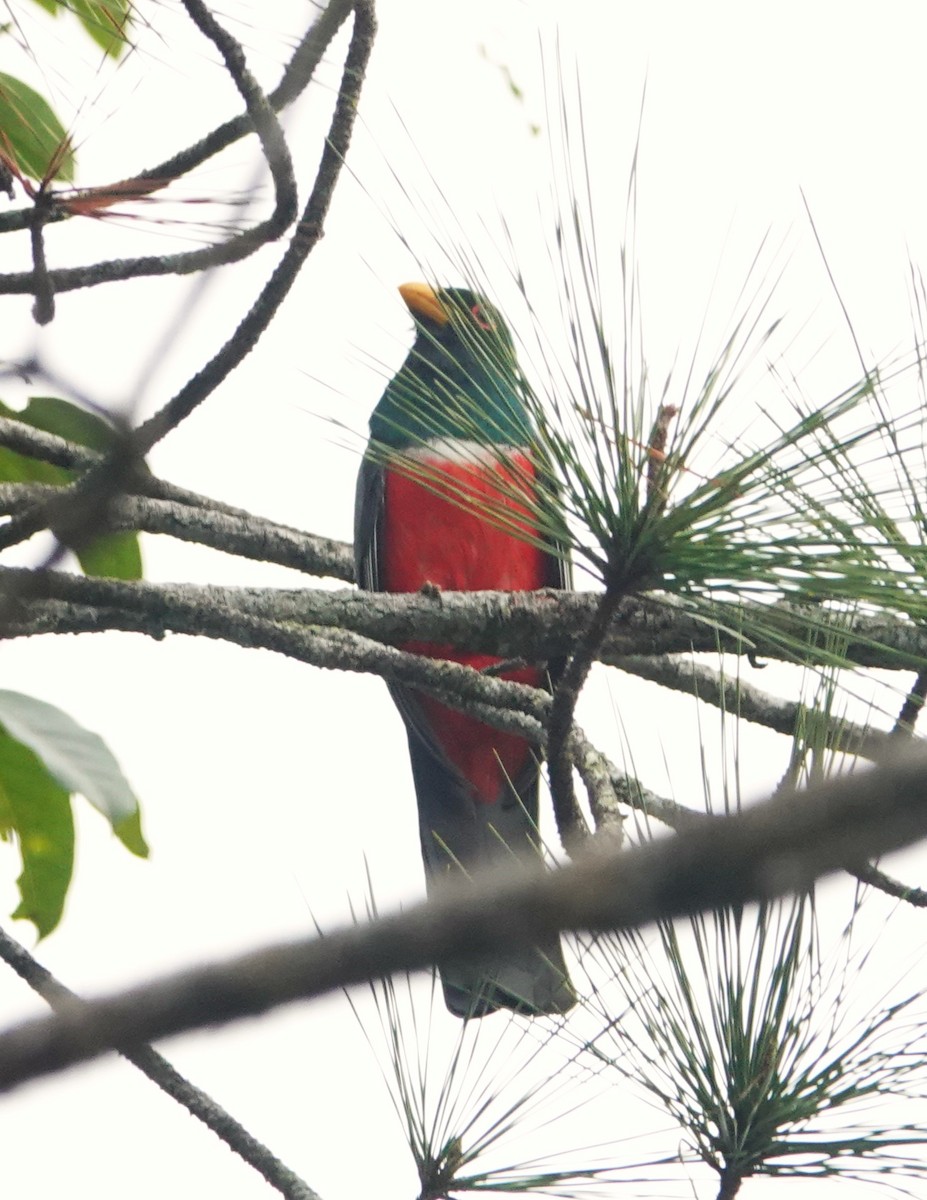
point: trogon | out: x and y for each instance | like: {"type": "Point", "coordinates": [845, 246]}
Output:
{"type": "Point", "coordinates": [448, 497]}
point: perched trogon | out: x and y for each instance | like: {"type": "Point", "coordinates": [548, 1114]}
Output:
{"type": "Point", "coordinates": [448, 496]}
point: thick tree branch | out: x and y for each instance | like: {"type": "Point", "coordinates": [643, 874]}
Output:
{"type": "Point", "coordinates": [535, 626]}
{"type": "Point", "coordinates": [779, 846]}
{"type": "Point", "coordinates": [242, 535]}
{"type": "Point", "coordinates": [199, 611]}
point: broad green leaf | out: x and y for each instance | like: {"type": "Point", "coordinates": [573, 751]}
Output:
{"type": "Point", "coordinates": [114, 555]}
{"type": "Point", "coordinates": [31, 135]}
{"type": "Point", "coordinates": [38, 810]}
{"type": "Point", "coordinates": [79, 760]}
{"type": "Point", "coordinates": [129, 832]}
{"type": "Point", "coordinates": [50, 6]}
{"type": "Point", "coordinates": [17, 468]}
{"type": "Point", "coordinates": [67, 420]}
{"type": "Point", "coordinates": [20, 468]}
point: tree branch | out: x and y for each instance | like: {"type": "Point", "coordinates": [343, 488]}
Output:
{"type": "Point", "coordinates": [167, 1078]}
{"type": "Point", "coordinates": [242, 535]}
{"type": "Point", "coordinates": [308, 231]}
{"type": "Point", "coordinates": [776, 847]}
{"type": "Point", "coordinates": [296, 76]}
{"type": "Point", "coordinates": [43, 283]}
{"type": "Point", "coordinates": [519, 625]}
{"type": "Point", "coordinates": [563, 706]}
{"type": "Point", "coordinates": [735, 695]}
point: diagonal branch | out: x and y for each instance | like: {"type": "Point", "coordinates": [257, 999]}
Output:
{"type": "Point", "coordinates": [82, 506]}
{"type": "Point", "coordinates": [239, 534]}
{"type": "Point", "coordinates": [296, 76]}
{"type": "Point", "coordinates": [43, 283]}
{"type": "Point", "coordinates": [735, 695]}
{"type": "Point", "coordinates": [776, 847]}
{"type": "Point", "coordinates": [308, 232]}
{"type": "Point", "coordinates": [167, 1078]}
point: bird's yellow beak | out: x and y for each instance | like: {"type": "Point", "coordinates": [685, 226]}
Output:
{"type": "Point", "coordinates": [423, 301]}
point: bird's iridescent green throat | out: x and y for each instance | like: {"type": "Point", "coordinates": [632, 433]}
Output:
{"type": "Point", "coordinates": [460, 380]}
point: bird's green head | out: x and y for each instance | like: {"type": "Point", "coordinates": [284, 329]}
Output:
{"type": "Point", "coordinates": [460, 379]}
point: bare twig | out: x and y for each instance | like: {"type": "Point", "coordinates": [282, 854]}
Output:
{"type": "Point", "coordinates": [779, 846]}
{"type": "Point", "coordinates": [43, 310]}
{"type": "Point", "coordinates": [911, 709]}
{"type": "Point", "coordinates": [82, 507]}
{"type": "Point", "coordinates": [43, 283]}
{"type": "Point", "coordinates": [871, 875]}
{"type": "Point", "coordinates": [736, 695]}
{"type": "Point", "coordinates": [296, 76]}
{"type": "Point", "coordinates": [566, 694]}
{"type": "Point", "coordinates": [167, 1078]}
{"type": "Point", "coordinates": [308, 232]}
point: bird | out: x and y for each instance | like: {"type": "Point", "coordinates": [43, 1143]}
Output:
{"type": "Point", "coordinates": [449, 497]}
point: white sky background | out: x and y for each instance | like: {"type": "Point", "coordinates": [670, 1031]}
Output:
{"type": "Point", "coordinates": [264, 783]}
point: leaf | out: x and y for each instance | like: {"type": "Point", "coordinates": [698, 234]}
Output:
{"type": "Point", "coordinates": [129, 832]}
{"type": "Point", "coordinates": [114, 555]}
{"type": "Point", "coordinates": [38, 810]}
{"type": "Point", "coordinates": [106, 21]}
{"type": "Point", "coordinates": [79, 760]}
{"type": "Point", "coordinates": [54, 415]}
{"type": "Point", "coordinates": [31, 135]}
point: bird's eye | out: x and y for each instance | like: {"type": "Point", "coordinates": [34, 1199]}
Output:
{"type": "Point", "coordinates": [480, 317]}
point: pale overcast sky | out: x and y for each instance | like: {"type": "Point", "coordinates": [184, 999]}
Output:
{"type": "Point", "coordinates": [266, 787]}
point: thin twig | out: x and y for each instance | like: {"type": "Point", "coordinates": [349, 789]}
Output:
{"type": "Point", "coordinates": [43, 310]}
{"type": "Point", "coordinates": [276, 152]}
{"type": "Point", "coordinates": [167, 1078]}
{"type": "Point", "coordinates": [871, 875]}
{"type": "Point", "coordinates": [81, 509]}
{"type": "Point", "coordinates": [296, 76]}
{"type": "Point", "coordinates": [566, 694]}
{"type": "Point", "coordinates": [308, 232]}
{"type": "Point", "coordinates": [736, 695]}
{"type": "Point", "coordinates": [911, 709]}
{"type": "Point", "coordinates": [83, 504]}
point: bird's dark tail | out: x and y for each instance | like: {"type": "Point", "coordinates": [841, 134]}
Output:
{"type": "Point", "coordinates": [462, 837]}
{"type": "Point", "coordinates": [532, 981]}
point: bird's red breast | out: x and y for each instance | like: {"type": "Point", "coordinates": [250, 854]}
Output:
{"type": "Point", "coordinates": [454, 525]}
